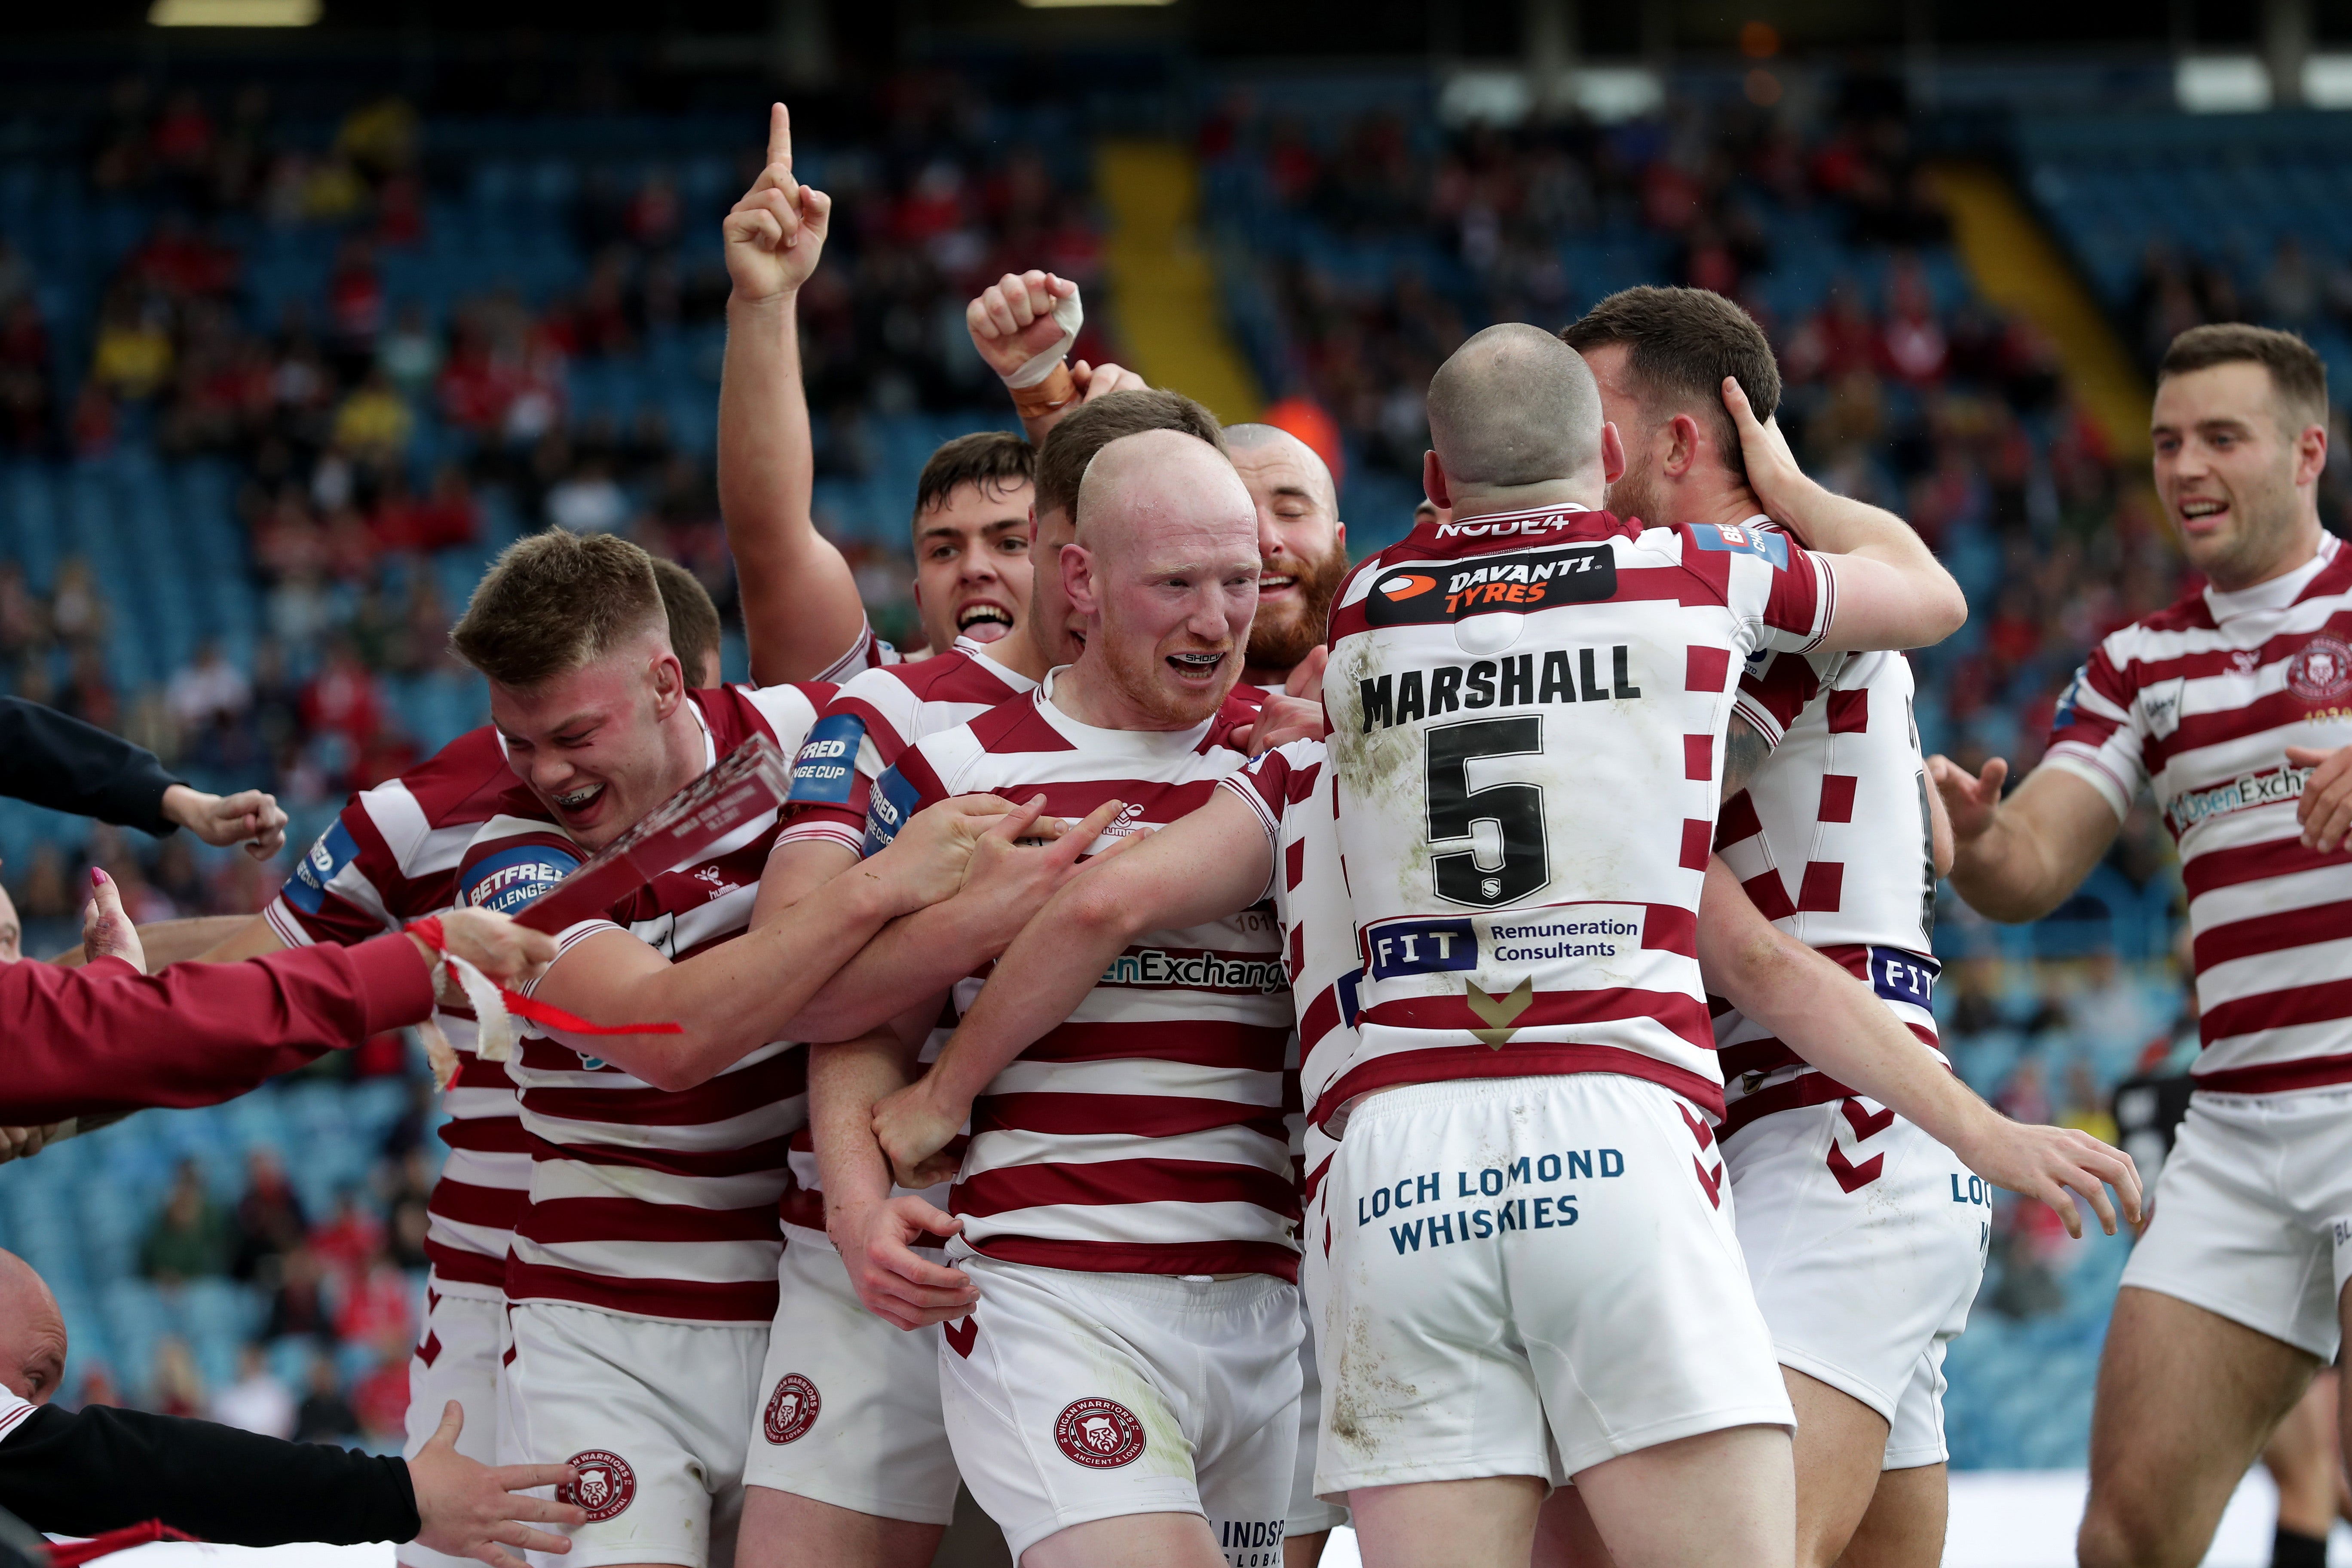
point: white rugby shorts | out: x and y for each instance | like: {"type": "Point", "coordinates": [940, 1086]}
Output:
{"type": "Point", "coordinates": [2253, 1213]}
{"type": "Point", "coordinates": [1308, 1514]}
{"type": "Point", "coordinates": [1525, 1277]}
{"type": "Point", "coordinates": [1865, 1239]}
{"type": "Point", "coordinates": [651, 1414]}
{"type": "Point", "coordinates": [457, 1357]}
{"type": "Point", "coordinates": [1072, 1397]}
{"type": "Point", "coordinates": [849, 1411]}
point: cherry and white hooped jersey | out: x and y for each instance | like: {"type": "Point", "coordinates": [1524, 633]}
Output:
{"type": "Point", "coordinates": [874, 718]}
{"type": "Point", "coordinates": [1830, 840]}
{"type": "Point", "coordinates": [1293, 791]}
{"type": "Point", "coordinates": [1145, 1134]}
{"type": "Point", "coordinates": [2199, 703]}
{"type": "Point", "coordinates": [1527, 715]}
{"type": "Point", "coordinates": [390, 856]}
{"type": "Point", "coordinates": [648, 1202]}
{"type": "Point", "coordinates": [868, 652]}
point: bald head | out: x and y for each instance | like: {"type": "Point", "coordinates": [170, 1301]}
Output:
{"type": "Point", "coordinates": [1514, 406]}
{"type": "Point", "coordinates": [1139, 484]}
{"type": "Point", "coordinates": [1272, 449]}
{"type": "Point", "coordinates": [32, 1332]}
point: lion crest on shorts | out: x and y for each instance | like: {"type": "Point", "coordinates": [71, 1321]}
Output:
{"type": "Point", "coordinates": [1100, 1434]}
{"type": "Point", "coordinates": [791, 1409]}
{"type": "Point", "coordinates": [606, 1485]}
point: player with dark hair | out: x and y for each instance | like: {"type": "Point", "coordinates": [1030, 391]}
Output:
{"type": "Point", "coordinates": [1864, 1265]}
{"type": "Point", "coordinates": [694, 628]}
{"type": "Point", "coordinates": [2233, 708]}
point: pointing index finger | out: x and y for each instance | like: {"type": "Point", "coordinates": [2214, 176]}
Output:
{"type": "Point", "coordinates": [780, 135]}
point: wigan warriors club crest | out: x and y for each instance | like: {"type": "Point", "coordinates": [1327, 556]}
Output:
{"type": "Point", "coordinates": [791, 1409]}
{"type": "Point", "coordinates": [2321, 669]}
{"type": "Point", "coordinates": [1100, 1434]}
{"type": "Point", "coordinates": [606, 1485]}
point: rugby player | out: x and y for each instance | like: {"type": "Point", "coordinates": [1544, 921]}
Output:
{"type": "Point", "coordinates": [649, 1237]}
{"type": "Point", "coordinates": [1863, 1236]}
{"type": "Point", "coordinates": [2233, 708]}
{"type": "Point", "coordinates": [1128, 1381]}
{"type": "Point", "coordinates": [1685, 1406]}
{"type": "Point", "coordinates": [860, 1470]}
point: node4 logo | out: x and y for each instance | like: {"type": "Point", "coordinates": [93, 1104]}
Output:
{"type": "Point", "coordinates": [606, 1485]}
{"type": "Point", "coordinates": [1100, 1434]}
{"type": "Point", "coordinates": [791, 1409]}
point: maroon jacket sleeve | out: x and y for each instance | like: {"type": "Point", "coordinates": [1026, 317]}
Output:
{"type": "Point", "coordinates": [78, 1042]}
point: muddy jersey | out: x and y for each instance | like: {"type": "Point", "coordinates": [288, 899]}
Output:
{"type": "Point", "coordinates": [390, 856]}
{"type": "Point", "coordinates": [2198, 704]}
{"type": "Point", "coordinates": [648, 1202]}
{"type": "Point", "coordinates": [1527, 715]}
{"type": "Point", "coordinates": [1830, 840]}
{"type": "Point", "coordinates": [875, 717]}
{"type": "Point", "coordinates": [1145, 1134]}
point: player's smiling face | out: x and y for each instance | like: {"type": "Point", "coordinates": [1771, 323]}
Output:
{"type": "Point", "coordinates": [1302, 552]}
{"type": "Point", "coordinates": [590, 744]}
{"type": "Point", "coordinates": [1171, 601]}
{"type": "Point", "coordinates": [972, 563]}
{"type": "Point", "coordinates": [2229, 465]}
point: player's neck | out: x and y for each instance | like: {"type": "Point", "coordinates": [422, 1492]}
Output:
{"type": "Point", "coordinates": [1496, 500]}
{"type": "Point", "coordinates": [1728, 500]}
{"type": "Point", "coordinates": [687, 751]}
{"type": "Point", "coordinates": [1017, 650]}
{"type": "Point", "coordinates": [2300, 546]}
{"type": "Point", "coordinates": [1088, 693]}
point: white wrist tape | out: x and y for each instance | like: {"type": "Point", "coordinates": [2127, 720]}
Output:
{"type": "Point", "coordinates": [1069, 315]}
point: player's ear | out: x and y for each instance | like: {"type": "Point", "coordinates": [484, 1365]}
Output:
{"type": "Point", "coordinates": [670, 684]}
{"type": "Point", "coordinates": [1613, 454]}
{"type": "Point", "coordinates": [1682, 445]}
{"type": "Point", "coordinates": [1433, 481]}
{"type": "Point", "coordinates": [1079, 578]}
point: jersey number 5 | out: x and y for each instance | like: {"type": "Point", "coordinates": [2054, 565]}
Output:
{"type": "Point", "coordinates": [1507, 859]}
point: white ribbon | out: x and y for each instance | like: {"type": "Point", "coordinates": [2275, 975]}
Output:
{"type": "Point", "coordinates": [494, 1034]}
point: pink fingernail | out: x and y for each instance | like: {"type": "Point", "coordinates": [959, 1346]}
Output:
{"type": "Point", "coordinates": [97, 876]}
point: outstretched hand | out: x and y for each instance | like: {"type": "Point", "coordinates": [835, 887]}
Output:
{"type": "Point", "coordinates": [251, 818]}
{"type": "Point", "coordinates": [775, 233]}
{"type": "Point", "coordinates": [2324, 808]}
{"type": "Point", "coordinates": [467, 1509]}
{"type": "Point", "coordinates": [1969, 799]}
{"type": "Point", "coordinates": [2053, 1165]}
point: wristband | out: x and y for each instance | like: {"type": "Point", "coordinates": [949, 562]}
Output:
{"type": "Point", "coordinates": [1049, 397]}
{"type": "Point", "coordinates": [495, 1009]}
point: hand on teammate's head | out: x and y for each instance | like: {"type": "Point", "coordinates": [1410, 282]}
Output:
{"type": "Point", "coordinates": [509, 953]}
{"type": "Point", "coordinates": [1772, 470]}
{"type": "Point", "coordinates": [1095, 381]}
{"type": "Point", "coordinates": [776, 233]}
{"type": "Point", "coordinates": [467, 1509]}
{"type": "Point", "coordinates": [1012, 321]}
{"type": "Point", "coordinates": [106, 931]}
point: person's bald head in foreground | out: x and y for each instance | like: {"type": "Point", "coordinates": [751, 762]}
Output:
{"type": "Point", "coordinates": [32, 1333]}
{"type": "Point", "coordinates": [1514, 416]}
{"type": "Point", "coordinates": [1302, 544]}
{"type": "Point", "coordinates": [1165, 570]}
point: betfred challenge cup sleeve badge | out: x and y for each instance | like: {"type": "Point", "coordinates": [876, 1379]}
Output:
{"type": "Point", "coordinates": [1100, 1434]}
{"type": "Point", "coordinates": [606, 1485]}
{"type": "Point", "coordinates": [791, 1409]}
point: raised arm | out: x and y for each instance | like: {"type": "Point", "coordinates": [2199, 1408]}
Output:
{"type": "Point", "coordinates": [2017, 860]}
{"type": "Point", "coordinates": [1204, 867]}
{"type": "Point", "coordinates": [1023, 326]}
{"type": "Point", "coordinates": [1837, 1023]}
{"type": "Point", "coordinates": [801, 608]}
{"type": "Point", "coordinates": [1892, 591]}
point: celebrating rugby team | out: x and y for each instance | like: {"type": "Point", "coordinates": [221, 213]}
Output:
{"type": "Point", "coordinates": [1229, 1040]}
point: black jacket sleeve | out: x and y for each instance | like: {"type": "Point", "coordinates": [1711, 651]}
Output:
{"type": "Point", "coordinates": [65, 764]}
{"type": "Point", "coordinates": [79, 1473]}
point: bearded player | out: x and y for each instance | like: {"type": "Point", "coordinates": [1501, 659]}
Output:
{"type": "Point", "coordinates": [2233, 708]}
{"type": "Point", "coordinates": [1128, 1381]}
